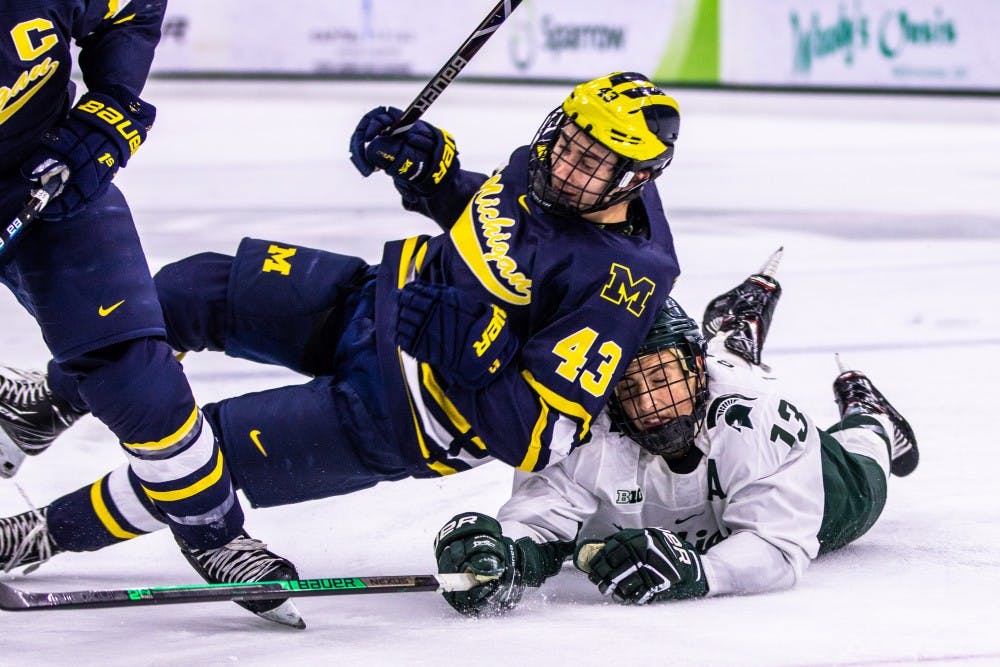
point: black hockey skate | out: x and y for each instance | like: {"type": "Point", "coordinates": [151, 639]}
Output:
{"type": "Point", "coordinates": [856, 395]}
{"type": "Point", "coordinates": [746, 312]}
{"type": "Point", "coordinates": [25, 540]}
{"type": "Point", "coordinates": [247, 560]}
{"type": "Point", "coordinates": [31, 417]}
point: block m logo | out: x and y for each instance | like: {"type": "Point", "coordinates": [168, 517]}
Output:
{"type": "Point", "coordinates": [622, 289]}
{"type": "Point", "coordinates": [278, 260]}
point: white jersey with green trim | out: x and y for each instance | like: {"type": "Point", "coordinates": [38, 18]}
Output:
{"type": "Point", "coordinates": [753, 505]}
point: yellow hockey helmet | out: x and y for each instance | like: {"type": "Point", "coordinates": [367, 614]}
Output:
{"type": "Point", "coordinates": [634, 120]}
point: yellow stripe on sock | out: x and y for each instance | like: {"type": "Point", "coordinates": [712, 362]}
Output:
{"type": "Point", "coordinates": [192, 490]}
{"type": "Point", "coordinates": [112, 526]}
{"type": "Point", "coordinates": [171, 439]}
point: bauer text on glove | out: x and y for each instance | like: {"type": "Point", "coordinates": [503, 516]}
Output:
{"type": "Point", "coordinates": [640, 565]}
{"type": "Point", "coordinates": [86, 149]}
{"type": "Point", "coordinates": [468, 342]}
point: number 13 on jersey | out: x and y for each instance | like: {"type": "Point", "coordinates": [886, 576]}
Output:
{"type": "Point", "coordinates": [575, 352]}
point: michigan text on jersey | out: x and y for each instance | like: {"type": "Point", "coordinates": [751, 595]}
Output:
{"type": "Point", "coordinates": [503, 279]}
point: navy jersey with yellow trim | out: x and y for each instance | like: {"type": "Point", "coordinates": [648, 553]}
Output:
{"type": "Point", "coordinates": [116, 38]}
{"type": "Point", "coordinates": [579, 298]}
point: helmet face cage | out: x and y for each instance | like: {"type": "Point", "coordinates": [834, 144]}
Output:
{"type": "Point", "coordinates": [571, 173]}
{"type": "Point", "coordinates": [661, 401]}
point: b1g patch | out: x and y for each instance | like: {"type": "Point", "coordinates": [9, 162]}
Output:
{"type": "Point", "coordinates": [628, 496]}
{"type": "Point", "coordinates": [731, 410]}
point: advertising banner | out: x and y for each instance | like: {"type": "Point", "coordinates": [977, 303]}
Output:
{"type": "Point", "coordinates": [890, 44]}
{"type": "Point", "coordinates": [673, 40]}
{"type": "Point", "coordinates": [878, 44]}
{"type": "Point", "coordinates": [544, 39]}
{"type": "Point", "coordinates": [301, 37]}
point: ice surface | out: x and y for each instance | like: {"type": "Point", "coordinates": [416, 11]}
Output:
{"type": "Point", "coordinates": [889, 214]}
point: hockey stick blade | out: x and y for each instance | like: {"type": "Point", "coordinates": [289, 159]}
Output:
{"type": "Point", "coordinates": [455, 64]}
{"type": "Point", "coordinates": [12, 232]}
{"type": "Point", "coordinates": [14, 599]}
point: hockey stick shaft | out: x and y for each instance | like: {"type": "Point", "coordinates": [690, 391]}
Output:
{"type": "Point", "coordinates": [13, 231]}
{"type": "Point", "coordinates": [454, 65]}
{"type": "Point", "coordinates": [13, 599]}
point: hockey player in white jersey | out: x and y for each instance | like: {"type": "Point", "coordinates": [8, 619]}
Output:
{"type": "Point", "coordinates": [702, 478]}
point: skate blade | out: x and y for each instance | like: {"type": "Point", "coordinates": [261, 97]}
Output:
{"type": "Point", "coordinates": [841, 368]}
{"type": "Point", "coordinates": [285, 614]}
{"type": "Point", "coordinates": [770, 268]}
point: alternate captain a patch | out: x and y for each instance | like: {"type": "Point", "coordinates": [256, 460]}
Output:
{"type": "Point", "coordinates": [732, 410]}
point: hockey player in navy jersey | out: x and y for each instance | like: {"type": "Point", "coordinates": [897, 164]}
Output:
{"type": "Point", "coordinates": [703, 478]}
{"type": "Point", "coordinates": [80, 271]}
{"type": "Point", "coordinates": [499, 339]}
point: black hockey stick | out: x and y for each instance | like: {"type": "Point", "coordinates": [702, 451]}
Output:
{"type": "Point", "coordinates": [13, 599]}
{"type": "Point", "coordinates": [12, 232]}
{"type": "Point", "coordinates": [455, 64]}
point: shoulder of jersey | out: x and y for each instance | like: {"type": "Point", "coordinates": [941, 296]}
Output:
{"type": "Point", "coordinates": [739, 403]}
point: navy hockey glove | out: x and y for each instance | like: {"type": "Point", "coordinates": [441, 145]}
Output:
{"type": "Point", "coordinates": [473, 542]}
{"type": "Point", "coordinates": [640, 565]}
{"type": "Point", "coordinates": [85, 151]}
{"type": "Point", "coordinates": [418, 160]}
{"type": "Point", "coordinates": [746, 312]}
{"type": "Point", "coordinates": [468, 342]}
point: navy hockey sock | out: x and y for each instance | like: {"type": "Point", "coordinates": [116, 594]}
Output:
{"type": "Point", "coordinates": [101, 514]}
{"type": "Point", "coordinates": [138, 390]}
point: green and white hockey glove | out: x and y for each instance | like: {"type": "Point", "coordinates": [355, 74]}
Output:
{"type": "Point", "coordinates": [640, 565]}
{"type": "Point", "coordinates": [473, 542]}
